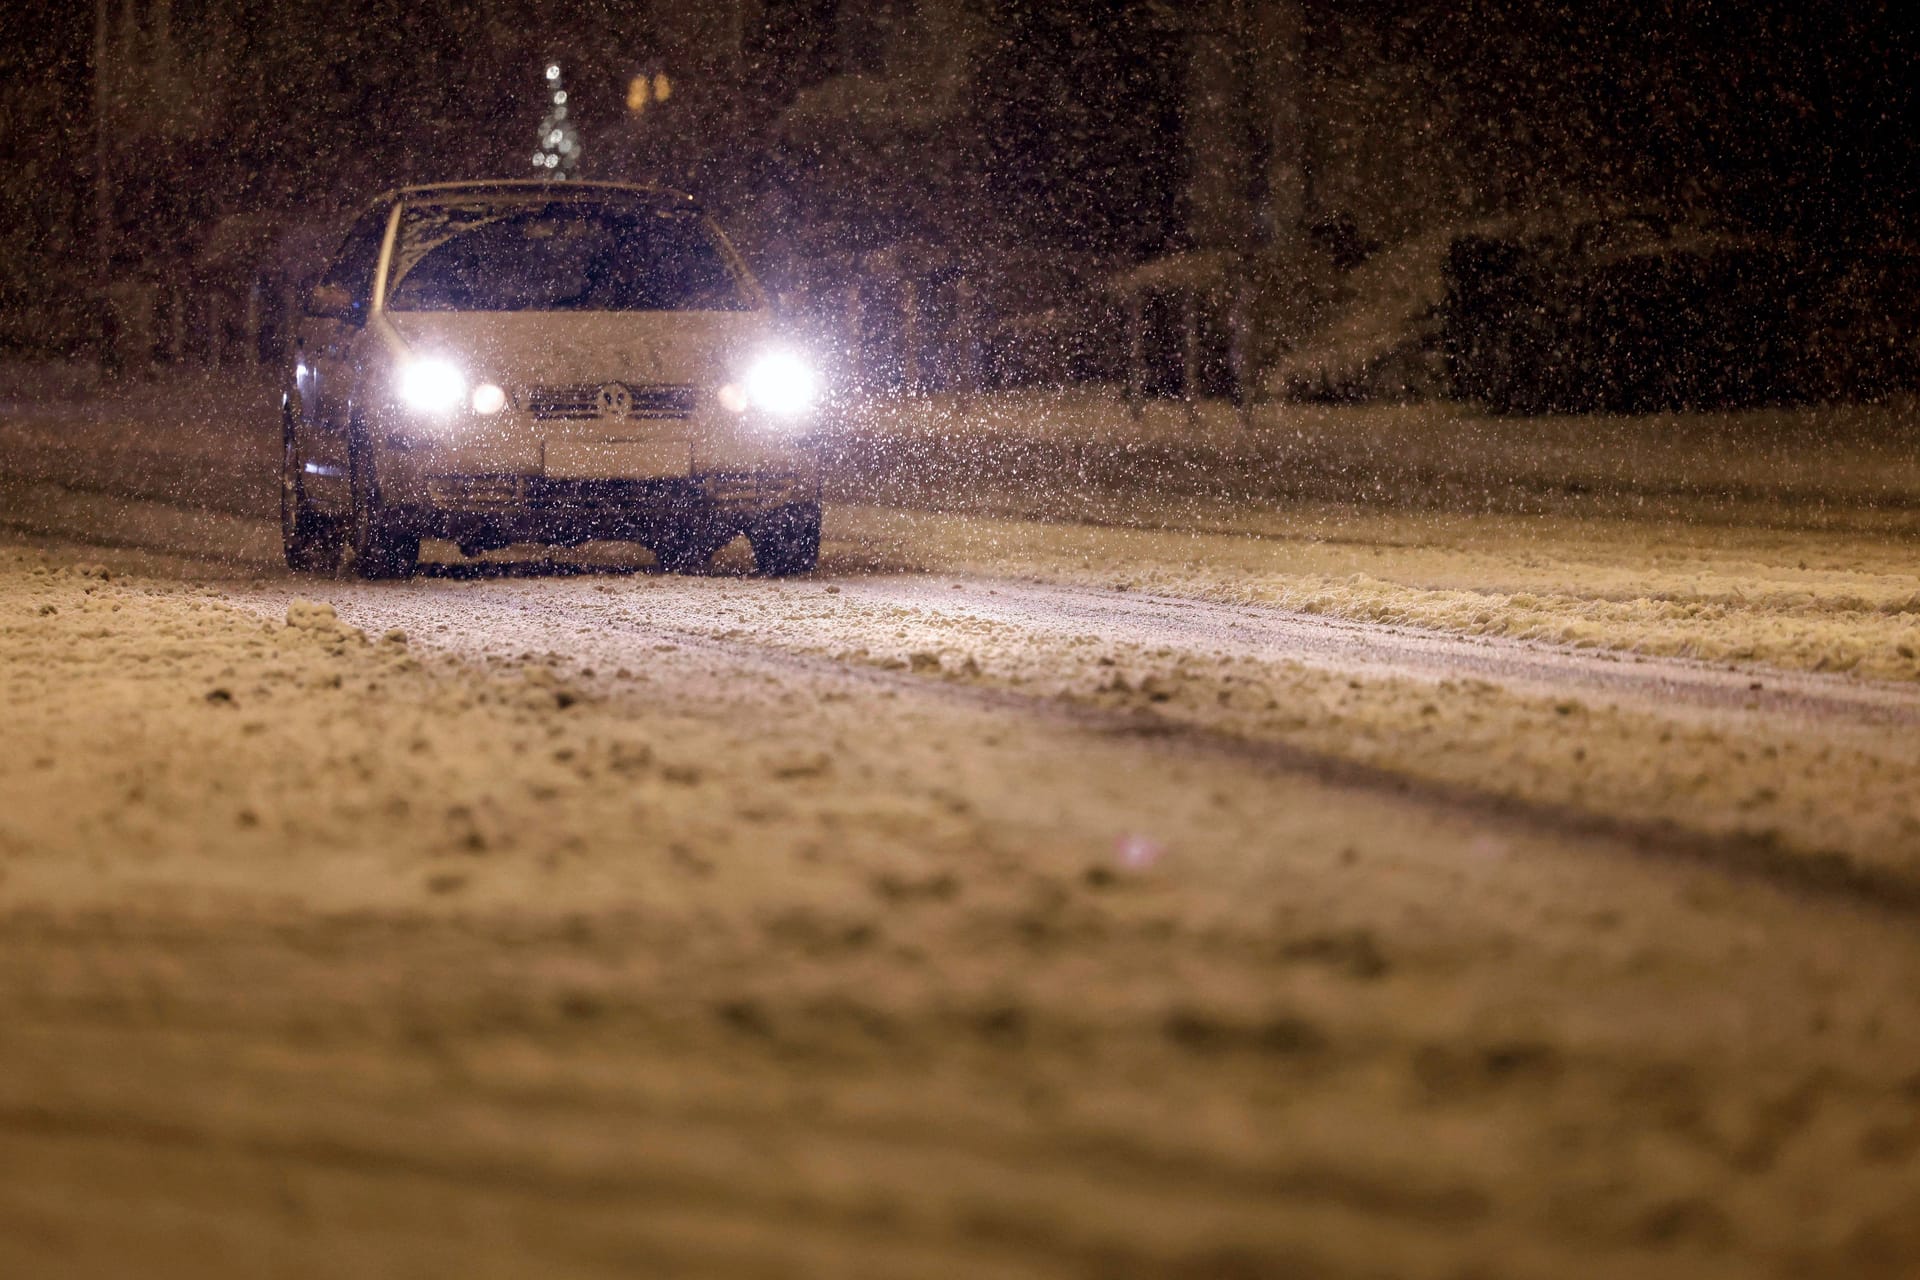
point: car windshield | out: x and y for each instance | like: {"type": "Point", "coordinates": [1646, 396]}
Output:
{"type": "Point", "coordinates": [562, 255]}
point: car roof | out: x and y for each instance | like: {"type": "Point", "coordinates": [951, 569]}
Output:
{"type": "Point", "coordinates": [529, 186]}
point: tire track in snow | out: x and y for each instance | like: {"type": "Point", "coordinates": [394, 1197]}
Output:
{"type": "Point", "coordinates": [552, 623]}
{"type": "Point", "coordinates": [1395, 650]}
{"type": "Point", "coordinates": [1362, 648]}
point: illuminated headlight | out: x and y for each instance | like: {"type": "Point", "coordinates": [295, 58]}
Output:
{"type": "Point", "coordinates": [781, 383]}
{"type": "Point", "coordinates": [432, 386]}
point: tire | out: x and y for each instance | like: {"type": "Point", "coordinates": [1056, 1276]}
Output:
{"type": "Point", "coordinates": [382, 546]}
{"type": "Point", "coordinates": [786, 540]}
{"type": "Point", "coordinates": [310, 542]}
{"type": "Point", "coordinates": [686, 549]}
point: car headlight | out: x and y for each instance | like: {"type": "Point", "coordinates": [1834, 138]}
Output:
{"type": "Point", "coordinates": [432, 386]}
{"type": "Point", "coordinates": [781, 382]}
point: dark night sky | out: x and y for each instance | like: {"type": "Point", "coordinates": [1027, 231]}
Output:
{"type": "Point", "coordinates": [1796, 116]}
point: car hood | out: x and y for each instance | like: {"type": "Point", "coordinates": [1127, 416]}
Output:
{"type": "Point", "coordinates": [550, 348]}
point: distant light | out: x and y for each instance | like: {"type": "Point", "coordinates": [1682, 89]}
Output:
{"type": "Point", "coordinates": [553, 71]}
{"type": "Point", "coordinates": [553, 139]}
{"type": "Point", "coordinates": [560, 96]}
{"type": "Point", "coordinates": [639, 89]}
{"type": "Point", "coordinates": [662, 87]}
{"type": "Point", "coordinates": [552, 161]}
{"type": "Point", "coordinates": [540, 159]}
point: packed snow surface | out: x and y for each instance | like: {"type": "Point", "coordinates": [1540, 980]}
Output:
{"type": "Point", "coordinates": [1093, 878]}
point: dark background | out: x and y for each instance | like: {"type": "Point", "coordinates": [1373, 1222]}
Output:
{"type": "Point", "coordinates": [1058, 142]}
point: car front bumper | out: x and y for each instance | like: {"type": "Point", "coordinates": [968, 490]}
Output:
{"type": "Point", "coordinates": [500, 508]}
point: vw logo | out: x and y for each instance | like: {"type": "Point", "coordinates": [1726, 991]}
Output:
{"type": "Point", "coordinates": [614, 400]}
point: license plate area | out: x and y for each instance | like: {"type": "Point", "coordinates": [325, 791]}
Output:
{"type": "Point", "coordinates": [618, 459]}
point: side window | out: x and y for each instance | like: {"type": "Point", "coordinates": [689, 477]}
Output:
{"type": "Point", "coordinates": [359, 254]}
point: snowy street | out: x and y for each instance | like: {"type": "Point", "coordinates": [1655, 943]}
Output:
{"type": "Point", "coordinates": [1058, 883]}
{"type": "Point", "coordinates": [865, 640]}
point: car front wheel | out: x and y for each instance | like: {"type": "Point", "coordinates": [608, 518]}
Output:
{"type": "Point", "coordinates": [686, 548]}
{"type": "Point", "coordinates": [383, 547]}
{"type": "Point", "coordinates": [310, 541]}
{"type": "Point", "coordinates": [786, 540]}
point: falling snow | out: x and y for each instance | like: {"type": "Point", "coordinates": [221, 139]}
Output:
{"type": "Point", "coordinates": [1357, 713]}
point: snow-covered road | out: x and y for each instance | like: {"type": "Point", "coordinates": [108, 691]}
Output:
{"type": "Point", "coordinates": [1017, 897]}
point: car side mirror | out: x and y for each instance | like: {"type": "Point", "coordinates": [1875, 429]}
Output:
{"type": "Point", "coordinates": [332, 302]}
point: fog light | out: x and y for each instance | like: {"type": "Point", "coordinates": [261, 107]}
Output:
{"type": "Point", "coordinates": [732, 398]}
{"type": "Point", "coordinates": [488, 398]}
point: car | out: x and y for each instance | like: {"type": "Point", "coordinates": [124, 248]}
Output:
{"type": "Point", "coordinates": [494, 363]}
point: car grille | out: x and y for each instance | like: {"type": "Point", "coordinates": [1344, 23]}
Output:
{"type": "Point", "coordinates": [589, 400]}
